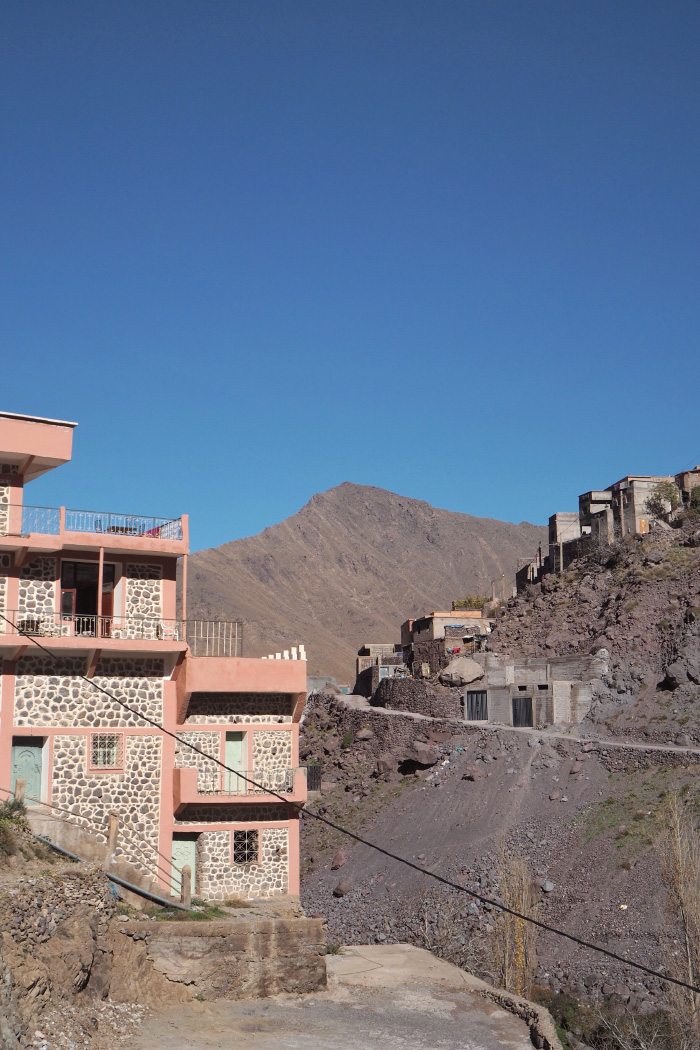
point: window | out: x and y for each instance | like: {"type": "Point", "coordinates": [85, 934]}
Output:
{"type": "Point", "coordinates": [106, 750]}
{"type": "Point", "coordinates": [245, 847]}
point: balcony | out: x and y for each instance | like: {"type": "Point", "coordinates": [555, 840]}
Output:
{"type": "Point", "coordinates": [204, 638]}
{"type": "Point", "coordinates": [106, 528]}
{"type": "Point", "coordinates": [197, 787]}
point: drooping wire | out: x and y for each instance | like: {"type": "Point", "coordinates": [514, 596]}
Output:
{"type": "Point", "coordinates": [358, 838]}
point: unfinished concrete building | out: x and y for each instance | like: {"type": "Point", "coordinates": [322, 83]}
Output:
{"type": "Point", "coordinates": [523, 691]}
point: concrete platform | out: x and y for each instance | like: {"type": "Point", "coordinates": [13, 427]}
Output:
{"type": "Point", "coordinates": [379, 997]}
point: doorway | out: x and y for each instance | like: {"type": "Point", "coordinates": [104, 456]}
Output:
{"type": "Point", "coordinates": [234, 756]}
{"type": "Point", "coordinates": [522, 711]}
{"type": "Point", "coordinates": [79, 581]}
{"type": "Point", "coordinates": [184, 852]}
{"type": "Point", "coordinates": [27, 760]}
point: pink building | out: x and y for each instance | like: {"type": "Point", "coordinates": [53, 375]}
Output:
{"type": "Point", "coordinates": [98, 590]}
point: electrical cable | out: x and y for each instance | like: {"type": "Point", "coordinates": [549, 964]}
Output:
{"type": "Point", "coordinates": [365, 842]}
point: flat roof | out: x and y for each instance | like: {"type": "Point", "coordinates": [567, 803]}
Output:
{"type": "Point", "coordinates": [37, 419]}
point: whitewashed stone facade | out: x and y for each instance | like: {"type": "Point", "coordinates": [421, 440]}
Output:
{"type": "Point", "coordinates": [48, 693]}
{"type": "Point", "coordinates": [219, 877]}
{"type": "Point", "coordinates": [89, 796]}
{"type": "Point", "coordinates": [5, 492]}
{"type": "Point", "coordinates": [143, 591]}
{"type": "Point", "coordinates": [272, 749]}
{"type": "Point", "coordinates": [3, 596]}
{"type": "Point", "coordinates": [37, 587]}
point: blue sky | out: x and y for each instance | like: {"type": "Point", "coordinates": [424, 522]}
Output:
{"type": "Point", "coordinates": [257, 249]}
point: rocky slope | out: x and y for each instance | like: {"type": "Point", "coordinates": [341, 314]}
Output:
{"type": "Point", "coordinates": [584, 806]}
{"type": "Point", "coordinates": [449, 798]}
{"type": "Point", "coordinates": [640, 599]}
{"type": "Point", "coordinates": [349, 567]}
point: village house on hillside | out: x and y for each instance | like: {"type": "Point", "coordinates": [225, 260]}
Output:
{"type": "Point", "coordinates": [603, 516]}
{"type": "Point", "coordinates": [451, 649]}
{"type": "Point", "coordinates": [97, 590]}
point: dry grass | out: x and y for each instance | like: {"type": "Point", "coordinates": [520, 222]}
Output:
{"type": "Point", "coordinates": [515, 940]}
{"type": "Point", "coordinates": [679, 857]}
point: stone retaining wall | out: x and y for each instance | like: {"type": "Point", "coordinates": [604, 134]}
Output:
{"type": "Point", "coordinates": [408, 694]}
{"type": "Point", "coordinates": [243, 958]}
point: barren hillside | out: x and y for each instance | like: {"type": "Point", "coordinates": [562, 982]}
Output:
{"type": "Point", "coordinates": [349, 567]}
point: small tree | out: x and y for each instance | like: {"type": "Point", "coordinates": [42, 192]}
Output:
{"type": "Point", "coordinates": [694, 500]}
{"type": "Point", "coordinates": [472, 601]}
{"type": "Point", "coordinates": [663, 494]}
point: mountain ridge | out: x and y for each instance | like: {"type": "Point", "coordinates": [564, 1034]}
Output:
{"type": "Point", "coordinates": [348, 566]}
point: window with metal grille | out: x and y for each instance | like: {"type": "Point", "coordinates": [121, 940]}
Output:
{"type": "Point", "coordinates": [245, 847]}
{"type": "Point", "coordinates": [106, 750]}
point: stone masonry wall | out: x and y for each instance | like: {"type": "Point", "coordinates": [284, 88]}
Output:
{"type": "Point", "coordinates": [134, 793]}
{"type": "Point", "coordinates": [272, 749]}
{"type": "Point", "coordinates": [144, 591]}
{"type": "Point", "coordinates": [48, 693]}
{"type": "Point", "coordinates": [210, 743]}
{"type": "Point", "coordinates": [37, 586]}
{"type": "Point", "coordinates": [3, 598]}
{"type": "Point", "coordinates": [5, 491]}
{"type": "Point", "coordinates": [220, 878]}
{"type": "Point", "coordinates": [241, 708]}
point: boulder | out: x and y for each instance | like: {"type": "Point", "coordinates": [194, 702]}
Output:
{"type": "Point", "coordinates": [339, 859]}
{"type": "Point", "coordinates": [474, 773]}
{"type": "Point", "coordinates": [461, 671]}
{"type": "Point", "coordinates": [342, 888]}
{"type": "Point", "coordinates": [676, 674]}
{"type": "Point", "coordinates": [423, 754]}
{"type": "Point", "coordinates": [364, 734]}
{"type": "Point", "coordinates": [386, 763]}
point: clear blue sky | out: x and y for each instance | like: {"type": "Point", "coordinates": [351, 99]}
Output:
{"type": "Point", "coordinates": [259, 248]}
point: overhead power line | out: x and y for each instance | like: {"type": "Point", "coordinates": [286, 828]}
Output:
{"type": "Point", "coordinates": [358, 838]}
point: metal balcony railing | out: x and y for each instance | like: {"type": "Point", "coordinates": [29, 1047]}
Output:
{"type": "Point", "coordinates": [214, 637]}
{"type": "Point", "coordinates": [204, 637]}
{"type": "Point", "coordinates": [223, 783]}
{"type": "Point", "coordinates": [123, 524]}
{"type": "Point", "coordinates": [46, 521]}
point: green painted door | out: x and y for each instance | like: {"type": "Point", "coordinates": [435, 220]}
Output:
{"type": "Point", "coordinates": [234, 757]}
{"type": "Point", "coordinates": [184, 852]}
{"type": "Point", "coordinates": [26, 765]}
